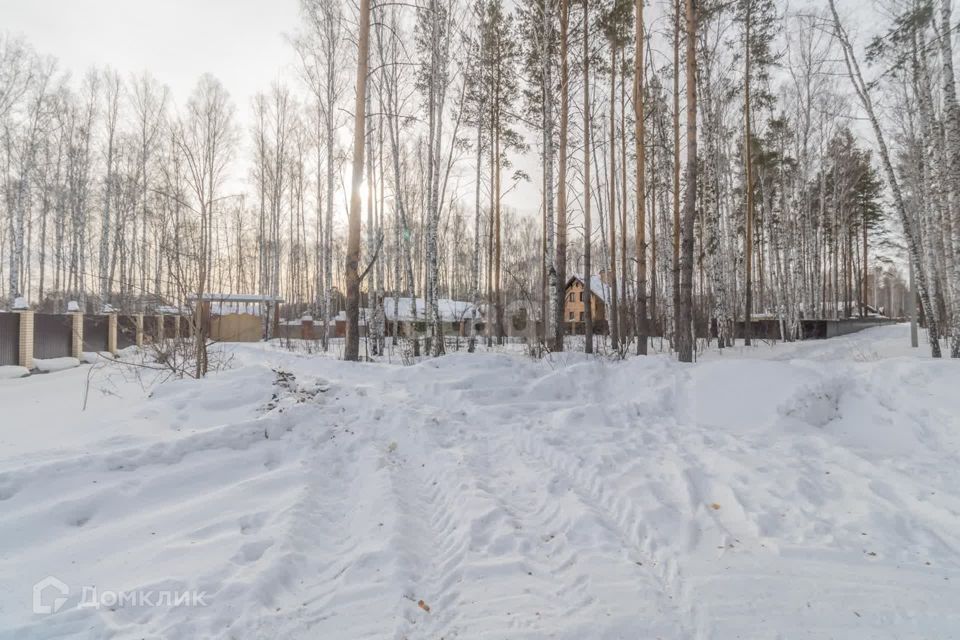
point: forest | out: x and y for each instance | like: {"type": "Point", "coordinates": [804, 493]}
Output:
{"type": "Point", "coordinates": [720, 162]}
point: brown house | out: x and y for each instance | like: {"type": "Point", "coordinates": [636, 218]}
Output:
{"type": "Point", "coordinates": [574, 305]}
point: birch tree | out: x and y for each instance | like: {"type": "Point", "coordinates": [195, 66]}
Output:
{"type": "Point", "coordinates": [320, 47]}
{"type": "Point", "coordinates": [862, 91]}
{"type": "Point", "coordinates": [685, 327]}
{"type": "Point", "coordinates": [205, 139]}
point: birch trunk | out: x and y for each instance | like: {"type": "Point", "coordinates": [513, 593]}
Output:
{"type": "Point", "coordinates": [952, 118]}
{"type": "Point", "coordinates": [685, 344]}
{"type": "Point", "coordinates": [639, 102]}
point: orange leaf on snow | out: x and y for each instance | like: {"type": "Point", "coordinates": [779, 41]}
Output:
{"type": "Point", "coordinates": [423, 605]}
{"type": "Point", "coordinates": [714, 506]}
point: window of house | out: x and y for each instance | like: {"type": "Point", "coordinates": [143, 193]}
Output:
{"type": "Point", "coordinates": [581, 296]}
{"type": "Point", "coordinates": [570, 297]}
{"type": "Point", "coordinates": [581, 316]}
{"type": "Point", "coordinates": [571, 313]}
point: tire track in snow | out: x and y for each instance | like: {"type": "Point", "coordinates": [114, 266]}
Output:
{"type": "Point", "coordinates": [321, 520]}
{"type": "Point", "coordinates": [327, 572]}
{"type": "Point", "coordinates": [581, 585]}
{"type": "Point", "coordinates": [430, 552]}
{"type": "Point", "coordinates": [531, 546]}
{"type": "Point", "coordinates": [623, 517]}
{"type": "Point", "coordinates": [483, 552]}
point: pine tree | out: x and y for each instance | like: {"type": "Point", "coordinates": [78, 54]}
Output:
{"type": "Point", "coordinates": [352, 343]}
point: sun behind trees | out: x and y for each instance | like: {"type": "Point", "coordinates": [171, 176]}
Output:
{"type": "Point", "coordinates": [700, 168]}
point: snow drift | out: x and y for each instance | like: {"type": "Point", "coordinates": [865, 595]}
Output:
{"type": "Point", "coordinates": [799, 491]}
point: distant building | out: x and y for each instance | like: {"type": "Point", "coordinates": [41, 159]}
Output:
{"type": "Point", "coordinates": [410, 317]}
{"type": "Point", "coordinates": [238, 317]}
{"type": "Point", "coordinates": [574, 306]}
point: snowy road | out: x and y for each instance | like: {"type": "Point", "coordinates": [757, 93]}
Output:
{"type": "Point", "coordinates": [796, 491]}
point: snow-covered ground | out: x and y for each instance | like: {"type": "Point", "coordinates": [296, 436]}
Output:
{"type": "Point", "coordinates": [796, 491]}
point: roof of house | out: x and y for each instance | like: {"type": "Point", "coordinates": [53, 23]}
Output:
{"type": "Point", "coordinates": [597, 286]}
{"type": "Point", "coordinates": [450, 310]}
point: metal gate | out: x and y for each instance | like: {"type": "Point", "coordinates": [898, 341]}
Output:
{"type": "Point", "coordinates": [52, 335]}
{"type": "Point", "coordinates": [9, 338]}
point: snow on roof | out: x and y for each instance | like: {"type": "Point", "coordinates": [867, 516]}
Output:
{"type": "Point", "coordinates": [342, 317]}
{"type": "Point", "coordinates": [236, 297]}
{"type": "Point", "coordinates": [450, 310]}
{"type": "Point", "coordinates": [597, 286]}
{"type": "Point", "coordinates": [166, 310]}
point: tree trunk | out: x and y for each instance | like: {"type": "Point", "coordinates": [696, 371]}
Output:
{"type": "Point", "coordinates": [587, 294]}
{"type": "Point", "coordinates": [641, 149]}
{"type": "Point", "coordinates": [748, 187]}
{"type": "Point", "coordinates": [676, 174]}
{"type": "Point", "coordinates": [351, 349]}
{"type": "Point", "coordinates": [952, 117]}
{"type": "Point", "coordinates": [561, 260]}
{"type": "Point", "coordinates": [553, 288]}
{"type": "Point", "coordinates": [685, 333]}
{"type": "Point", "coordinates": [612, 312]}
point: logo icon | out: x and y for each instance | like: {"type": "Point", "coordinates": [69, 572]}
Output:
{"type": "Point", "coordinates": [51, 586]}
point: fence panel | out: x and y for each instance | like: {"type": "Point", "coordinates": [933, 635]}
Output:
{"type": "Point", "coordinates": [170, 326]}
{"type": "Point", "coordinates": [126, 331]}
{"type": "Point", "coordinates": [9, 339]}
{"type": "Point", "coordinates": [186, 328]}
{"type": "Point", "coordinates": [95, 332]}
{"type": "Point", "coordinates": [151, 329]}
{"type": "Point", "coordinates": [52, 335]}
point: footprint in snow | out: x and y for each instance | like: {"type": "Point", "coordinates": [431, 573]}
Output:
{"type": "Point", "coordinates": [252, 551]}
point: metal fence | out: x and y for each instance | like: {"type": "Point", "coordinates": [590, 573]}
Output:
{"type": "Point", "coordinates": [96, 330]}
{"type": "Point", "coordinates": [170, 326]}
{"type": "Point", "coordinates": [52, 335]}
{"type": "Point", "coordinates": [151, 329]}
{"type": "Point", "coordinates": [9, 339]}
{"type": "Point", "coordinates": [126, 331]}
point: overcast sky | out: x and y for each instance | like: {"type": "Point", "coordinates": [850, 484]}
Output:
{"type": "Point", "coordinates": [239, 41]}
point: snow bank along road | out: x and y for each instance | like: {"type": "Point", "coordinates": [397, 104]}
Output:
{"type": "Point", "coordinates": [801, 491]}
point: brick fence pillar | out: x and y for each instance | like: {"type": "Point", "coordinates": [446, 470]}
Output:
{"type": "Point", "coordinates": [139, 325]}
{"type": "Point", "coordinates": [76, 344]}
{"type": "Point", "coordinates": [112, 333]}
{"type": "Point", "coordinates": [160, 329]}
{"type": "Point", "coordinates": [25, 359]}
